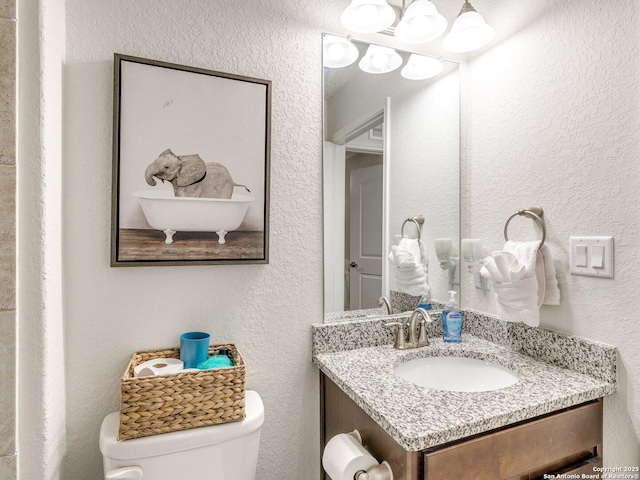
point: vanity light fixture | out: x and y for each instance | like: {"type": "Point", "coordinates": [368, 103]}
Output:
{"type": "Point", "coordinates": [420, 23]}
{"type": "Point", "coordinates": [469, 31]}
{"type": "Point", "coordinates": [444, 252]}
{"type": "Point", "coordinates": [420, 67]}
{"type": "Point", "coordinates": [444, 249]}
{"type": "Point", "coordinates": [472, 254]}
{"type": "Point", "coordinates": [379, 59]}
{"type": "Point", "coordinates": [338, 52]}
{"type": "Point", "coordinates": [368, 16]}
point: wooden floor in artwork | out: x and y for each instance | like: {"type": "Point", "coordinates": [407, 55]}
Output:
{"type": "Point", "coordinates": [144, 245]}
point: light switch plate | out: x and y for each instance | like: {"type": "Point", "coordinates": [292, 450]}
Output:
{"type": "Point", "coordinates": [576, 244]}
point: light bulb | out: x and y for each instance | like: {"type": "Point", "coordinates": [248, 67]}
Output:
{"type": "Point", "coordinates": [469, 32]}
{"type": "Point", "coordinates": [368, 16]}
{"type": "Point", "coordinates": [420, 67]}
{"type": "Point", "coordinates": [421, 23]}
{"type": "Point", "coordinates": [380, 59]}
{"type": "Point", "coordinates": [338, 52]}
{"type": "Point", "coordinates": [335, 51]}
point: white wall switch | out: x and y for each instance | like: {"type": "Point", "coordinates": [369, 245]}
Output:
{"type": "Point", "coordinates": [581, 256]}
{"type": "Point", "coordinates": [597, 256]}
{"type": "Point", "coordinates": [591, 256]}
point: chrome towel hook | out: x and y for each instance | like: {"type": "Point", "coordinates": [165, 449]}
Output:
{"type": "Point", "coordinates": [418, 220]}
{"type": "Point", "coordinates": [535, 213]}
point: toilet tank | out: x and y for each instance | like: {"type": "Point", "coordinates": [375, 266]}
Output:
{"type": "Point", "coordinates": [221, 452]}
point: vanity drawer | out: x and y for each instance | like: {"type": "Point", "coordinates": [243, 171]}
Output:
{"type": "Point", "coordinates": [525, 451]}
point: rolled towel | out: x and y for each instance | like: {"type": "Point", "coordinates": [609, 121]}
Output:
{"type": "Point", "coordinates": [515, 303]}
{"type": "Point", "coordinates": [539, 260]}
{"type": "Point", "coordinates": [409, 268]}
{"type": "Point", "coordinates": [408, 274]}
{"type": "Point", "coordinates": [412, 246]}
{"type": "Point", "coordinates": [400, 258]}
{"type": "Point", "coordinates": [503, 267]}
{"type": "Point", "coordinates": [551, 292]}
{"type": "Point", "coordinates": [515, 284]}
{"type": "Point", "coordinates": [415, 290]}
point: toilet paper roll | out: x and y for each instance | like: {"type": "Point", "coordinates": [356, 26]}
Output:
{"type": "Point", "coordinates": [158, 366]}
{"type": "Point", "coordinates": [147, 372]}
{"type": "Point", "coordinates": [344, 456]}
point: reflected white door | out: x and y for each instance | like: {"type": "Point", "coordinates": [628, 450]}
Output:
{"type": "Point", "coordinates": [365, 243]}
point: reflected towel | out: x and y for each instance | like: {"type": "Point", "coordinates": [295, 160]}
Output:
{"type": "Point", "coordinates": [409, 268]}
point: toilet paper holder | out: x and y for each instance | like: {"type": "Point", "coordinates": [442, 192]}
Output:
{"type": "Point", "coordinates": [377, 472]}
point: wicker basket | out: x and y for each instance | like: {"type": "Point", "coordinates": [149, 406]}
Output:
{"type": "Point", "coordinates": [167, 403]}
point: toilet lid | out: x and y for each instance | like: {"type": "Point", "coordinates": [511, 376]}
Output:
{"type": "Point", "coordinates": [172, 442]}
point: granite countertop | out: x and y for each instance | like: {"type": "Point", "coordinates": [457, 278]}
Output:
{"type": "Point", "coordinates": [354, 314]}
{"type": "Point", "coordinates": [565, 373]}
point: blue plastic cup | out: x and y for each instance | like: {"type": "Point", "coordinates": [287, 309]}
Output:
{"type": "Point", "coordinates": [194, 348]}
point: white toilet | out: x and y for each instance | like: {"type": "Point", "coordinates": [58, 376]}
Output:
{"type": "Point", "coordinates": [221, 452]}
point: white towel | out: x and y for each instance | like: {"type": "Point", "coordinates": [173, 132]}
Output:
{"type": "Point", "coordinates": [524, 278]}
{"type": "Point", "coordinates": [504, 267]}
{"type": "Point", "coordinates": [541, 261]}
{"type": "Point", "coordinates": [551, 292]}
{"type": "Point", "coordinates": [401, 259]}
{"type": "Point", "coordinates": [409, 268]}
{"type": "Point", "coordinates": [515, 287]}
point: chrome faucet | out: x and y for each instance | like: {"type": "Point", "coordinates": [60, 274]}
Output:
{"type": "Point", "coordinates": [385, 301]}
{"type": "Point", "coordinates": [414, 339]}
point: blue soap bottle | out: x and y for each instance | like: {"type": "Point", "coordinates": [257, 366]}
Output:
{"type": "Point", "coordinates": [452, 320]}
{"type": "Point", "coordinates": [425, 302]}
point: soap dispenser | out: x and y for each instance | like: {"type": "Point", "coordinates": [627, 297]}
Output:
{"type": "Point", "coordinates": [452, 320]}
{"type": "Point", "coordinates": [425, 301]}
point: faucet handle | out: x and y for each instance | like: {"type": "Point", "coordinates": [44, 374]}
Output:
{"type": "Point", "coordinates": [422, 336]}
{"type": "Point", "coordinates": [400, 342]}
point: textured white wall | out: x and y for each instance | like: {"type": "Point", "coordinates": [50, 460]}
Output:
{"type": "Point", "coordinates": [552, 119]}
{"type": "Point", "coordinates": [41, 374]}
{"type": "Point", "coordinates": [265, 309]}
{"type": "Point", "coordinates": [425, 151]}
{"type": "Point", "coordinates": [551, 107]}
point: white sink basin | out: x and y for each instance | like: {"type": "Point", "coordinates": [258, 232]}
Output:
{"type": "Point", "coordinates": [456, 374]}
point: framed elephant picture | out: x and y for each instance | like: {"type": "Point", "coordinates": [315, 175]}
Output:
{"type": "Point", "coordinates": [190, 165]}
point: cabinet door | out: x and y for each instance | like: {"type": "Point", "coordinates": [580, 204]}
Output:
{"type": "Point", "coordinates": [524, 451]}
{"type": "Point", "coordinates": [342, 415]}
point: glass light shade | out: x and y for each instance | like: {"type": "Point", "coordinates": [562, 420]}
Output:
{"type": "Point", "coordinates": [338, 52]}
{"type": "Point", "coordinates": [421, 23]}
{"type": "Point", "coordinates": [420, 67]}
{"type": "Point", "coordinates": [469, 32]}
{"type": "Point", "coordinates": [444, 247]}
{"type": "Point", "coordinates": [471, 250]}
{"type": "Point", "coordinates": [368, 16]}
{"type": "Point", "coordinates": [380, 59]}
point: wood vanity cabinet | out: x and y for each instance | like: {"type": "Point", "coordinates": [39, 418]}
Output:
{"type": "Point", "coordinates": [567, 441]}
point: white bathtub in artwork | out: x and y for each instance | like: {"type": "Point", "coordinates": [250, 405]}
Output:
{"type": "Point", "coordinates": [172, 214]}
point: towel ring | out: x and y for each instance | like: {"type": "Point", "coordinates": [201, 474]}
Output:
{"type": "Point", "coordinates": [418, 220]}
{"type": "Point", "coordinates": [535, 213]}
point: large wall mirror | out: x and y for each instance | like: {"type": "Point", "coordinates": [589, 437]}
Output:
{"type": "Point", "coordinates": [391, 153]}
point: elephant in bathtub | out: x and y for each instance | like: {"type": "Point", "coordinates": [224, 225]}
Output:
{"type": "Point", "coordinates": [190, 176]}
